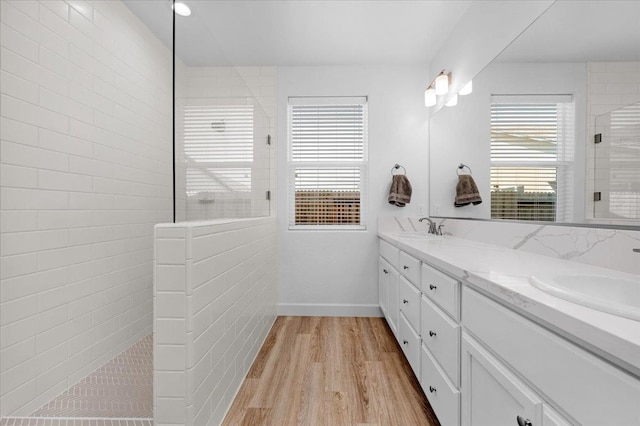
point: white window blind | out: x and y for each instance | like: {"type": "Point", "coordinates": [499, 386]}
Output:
{"type": "Point", "coordinates": [218, 148]}
{"type": "Point", "coordinates": [532, 157]}
{"type": "Point", "coordinates": [327, 162]}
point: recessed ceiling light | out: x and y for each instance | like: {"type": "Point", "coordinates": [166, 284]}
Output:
{"type": "Point", "coordinates": [181, 9]}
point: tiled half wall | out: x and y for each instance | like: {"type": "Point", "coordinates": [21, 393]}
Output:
{"type": "Point", "coordinates": [214, 303]}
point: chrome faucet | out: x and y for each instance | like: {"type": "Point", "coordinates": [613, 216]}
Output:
{"type": "Point", "coordinates": [433, 228]}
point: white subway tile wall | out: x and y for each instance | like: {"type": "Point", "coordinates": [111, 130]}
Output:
{"type": "Point", "coordinates": [215, 301]}
{"type": "Point", "coordinates": [85, 174]}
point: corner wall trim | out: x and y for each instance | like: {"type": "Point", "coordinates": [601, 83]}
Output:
{"type": "Point", "coordinates": [328, 310]}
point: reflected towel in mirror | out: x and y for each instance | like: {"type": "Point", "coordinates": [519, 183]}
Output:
{"type": "Point", "coordinates": [466, 192]}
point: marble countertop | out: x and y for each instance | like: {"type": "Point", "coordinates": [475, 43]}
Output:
{"type": "Point", "coordinates": [504, 273]}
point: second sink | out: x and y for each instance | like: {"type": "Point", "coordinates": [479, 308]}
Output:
{"type": "Point", "coordinates": [618, 296]}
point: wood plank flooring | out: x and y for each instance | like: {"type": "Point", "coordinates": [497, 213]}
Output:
{"type": "Point", "coordinates": [330, 372]}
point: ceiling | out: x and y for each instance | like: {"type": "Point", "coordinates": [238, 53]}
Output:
{"type": "Point", "coordinates": [304, 32]}
{"type": "Point", "coordinates": [580, 31]}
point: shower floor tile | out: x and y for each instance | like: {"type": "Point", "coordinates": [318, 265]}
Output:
{"type": "Point", "coordinates": [49, 421]}
{"type": "Point", "coordinates": [120, 393]}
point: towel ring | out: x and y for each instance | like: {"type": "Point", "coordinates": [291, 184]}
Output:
{"type": "Point", "coordinates": [397, 167]}
{"type": "Point", "coordinates": [461, 167]}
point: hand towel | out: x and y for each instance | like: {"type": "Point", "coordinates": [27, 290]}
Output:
{"type": "Point", "coordinates": [400, 192]}
{"type": "Point", "coordinates": [466, 192]}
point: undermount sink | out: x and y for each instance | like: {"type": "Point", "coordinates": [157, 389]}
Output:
{"type": "Point", "coordinates": [618, 296]}
{"type": "Point", "coordinates": [420, 234]}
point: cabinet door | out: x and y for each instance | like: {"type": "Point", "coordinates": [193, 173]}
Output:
{"type": "Point", "coordinates": [383, 285]}
{"type": "Point", "coordinates": [491, 394]}
{"type": "Point", "coordinates": [392, 315]}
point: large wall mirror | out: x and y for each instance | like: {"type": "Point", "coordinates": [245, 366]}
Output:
{"type": "Point", "coordinates": [551, 131]}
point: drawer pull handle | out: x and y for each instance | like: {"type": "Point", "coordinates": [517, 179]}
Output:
{"type": "Point", "coordinates": [405, 301]}
{"type": "Point", "coordinates": [432, 389]}
{"type": "Point", "coordinates": [432, 333]}
{"type": "Point", "coordinates": [523, 422]}
{"type": "Point", "coordinates": [405, 342]}
{"type": "Point", "coordinates": [432, 287]}
{"type": "Point", "coordinates": [385, 271]}
{"type": "Point", "coordinates": [405, 267]}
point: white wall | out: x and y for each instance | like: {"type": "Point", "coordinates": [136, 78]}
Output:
{"type": "Point", "coordinates": [214, 303]}
{"type": "Point", "coordinates": [334, 272]}
{"type": "Point", "coordinates": [86, 172]}
{"type": "Point", "coordinates": [461, 134]}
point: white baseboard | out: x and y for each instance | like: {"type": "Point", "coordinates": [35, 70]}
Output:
{"type": "Point", "coordinates": [328, 310]}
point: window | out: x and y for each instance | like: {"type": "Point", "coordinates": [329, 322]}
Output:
{"type": "Point", "coordinates": [218, 148]}
{"type": "Point", "coordinates": [327, 163]}
{"type": "Point", "coordinates": [532, 139]}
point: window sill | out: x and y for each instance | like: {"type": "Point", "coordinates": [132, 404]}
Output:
{"type": "Point", "coordinates": [327, 227]}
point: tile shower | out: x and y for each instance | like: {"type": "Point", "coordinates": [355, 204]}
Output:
{"type": "Point", "coordinates": [86, 174]}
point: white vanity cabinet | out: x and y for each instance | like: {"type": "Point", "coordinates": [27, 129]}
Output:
{"type": "Point", "coordinates": [488, 352]}
{"type": "Point", "coordinates": [510, 355]}
{"type": "Point", "coordinates": [388, 278]}
{"type": "Point", "coordinates": [428, 329]}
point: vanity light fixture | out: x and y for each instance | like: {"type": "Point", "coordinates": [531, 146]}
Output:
{"type": "Point", "coordinates": [453, 101]}
{"type": "Point", "coordinates": [430, 97]}
{"type": "Point", "coordinates": [466, 89]}
{"type": "Point", "coordinates": [442, 83]}
{"type": "Point", "coordinates": [181, 8]}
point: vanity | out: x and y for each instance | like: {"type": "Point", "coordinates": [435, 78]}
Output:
{"type": "Point", "coordinates": [489, 348]}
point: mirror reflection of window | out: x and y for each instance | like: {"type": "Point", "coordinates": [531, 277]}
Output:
{"type": "Point", "coordinates": [532, 155]}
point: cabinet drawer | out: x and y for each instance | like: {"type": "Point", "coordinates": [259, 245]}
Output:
{"type": "Point", "coordinates": [410, 268]}
{"type": "Point", "coordinates": [588, 389]}
{"type": "Point", "coordinates": [443, 396]}
{"type": "Point", "coordinates": [410, 342]}
{"type": "Point", "coordinates": [441, 335]}
{"type": "Point", "coordinates": [389, 252]}
{"type": "Point", "coordinates": [410, 303]}
{"type": "Point", "coordinates": [442, 289]}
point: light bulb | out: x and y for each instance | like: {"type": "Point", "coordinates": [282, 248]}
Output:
{"type": "Point", "coordinates": [466, 89]}
{"type": "Point", "coordinates": [453, 101]}
{"type": "Point", "coordinates": [181, 9]}
{"type": "Point", "coordinates": [442, 84]}
{"type": "Point", "coordinates": [429, 97]}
